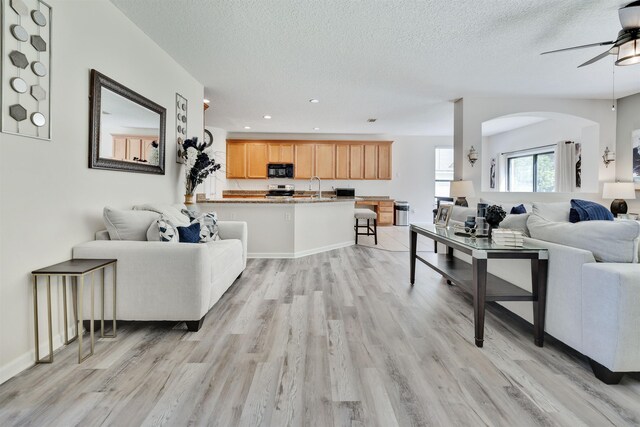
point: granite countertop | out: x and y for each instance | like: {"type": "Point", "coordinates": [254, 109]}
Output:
{"type": "Point", "coordinates": [257, 194]}
{"type": "Point", "coordinates": [287, 200]}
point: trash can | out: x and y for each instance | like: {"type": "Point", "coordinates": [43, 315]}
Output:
{"type": "Point", "coordinates": [401, 210]}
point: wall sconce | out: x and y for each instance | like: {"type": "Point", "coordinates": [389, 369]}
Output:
{"type": "Point", "coordinates": [472, 155]}
{"type": "Point", "coordinates": [608, 157]}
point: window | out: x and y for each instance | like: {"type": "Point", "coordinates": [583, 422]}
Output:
{"type": "Point", "coordinates": [444, 171]}
{"type": "Point", "coordinates": [533, 172]}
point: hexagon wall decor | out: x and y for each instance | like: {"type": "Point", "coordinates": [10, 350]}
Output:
{"type": "Point", "coordinates": [38, 43]}
{"type": "Point", "coordinates": [19, 7]}
{"type": "Point", "coordinates": [18, 59]}
{"type": "Point", "coordinates": [38, 92]}
{"type": "Point", "coordinates": [18, 112]}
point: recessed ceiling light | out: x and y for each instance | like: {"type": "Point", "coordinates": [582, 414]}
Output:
{"type": "Point", "coordinates": [316, 128]}
{"type": "Point", "coordinates": [206, 101]}
{"type": "Point", "coordinates": [247, 127]}
{"type": "Point", "coordinates": [266, 116]}
{"type": "Point", "coordinates": [314, 101]}
{"type": "Point", "coordinates": [372, 120]}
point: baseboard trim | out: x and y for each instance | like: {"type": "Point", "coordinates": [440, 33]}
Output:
{"type": "Point", "coordinates": [298, 254]}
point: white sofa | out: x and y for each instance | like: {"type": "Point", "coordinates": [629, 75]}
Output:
{"type": "Point", "coordinates": [592, 306]}
{"type": "Point", "coordinates": [171, 281]}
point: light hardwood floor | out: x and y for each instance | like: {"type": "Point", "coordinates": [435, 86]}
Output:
{"type": "Point", "coordinates": [338, 338]}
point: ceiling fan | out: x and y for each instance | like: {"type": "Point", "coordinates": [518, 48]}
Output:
{"type": "Point", "coordinates": [626, 46]}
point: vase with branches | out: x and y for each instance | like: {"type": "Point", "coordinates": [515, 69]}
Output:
{"type": "Point", "coordinates": [199, 164]}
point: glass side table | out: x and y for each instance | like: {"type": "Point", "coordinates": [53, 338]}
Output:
{"type": "Point", "coordinates": [76, 269]}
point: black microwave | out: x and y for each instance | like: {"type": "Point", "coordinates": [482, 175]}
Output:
{"type": "Point", "coordinates": [280, 170]}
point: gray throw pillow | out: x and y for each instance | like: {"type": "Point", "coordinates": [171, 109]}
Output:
{"type": "Point", "coordinates": [128, 224]}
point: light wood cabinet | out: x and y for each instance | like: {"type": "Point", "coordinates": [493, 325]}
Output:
{"type": "Point", "coordinates": [342, 161]}
{"type": "Point", "coordinates": [325, 161]}
{"type": "Point", "coordinates": [356, 162]}
{"type": "Point", "coordinates": [280, 153]}
{"type": "Point", "coordinates": [384, 162]}
{"type": "Point", "coordinates": [257, 160]}
{"type": "Point", "coordinates": [237, 160]}
{"type": "Point", "coordinates": [303, 161]}
{"type": "Point", "coordinates": [370, 161]}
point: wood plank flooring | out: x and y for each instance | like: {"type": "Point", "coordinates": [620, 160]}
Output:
{"type": "Point", "coordinates": [334, 339]}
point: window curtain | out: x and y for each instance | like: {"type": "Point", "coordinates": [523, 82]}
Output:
{"type": "Point", "coordinates": [565, 167]}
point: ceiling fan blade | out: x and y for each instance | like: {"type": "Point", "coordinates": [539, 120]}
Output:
{"type": "Point", "coordinates": [596, 59]}
{"type": "Point", "coordinates": [579, 47]}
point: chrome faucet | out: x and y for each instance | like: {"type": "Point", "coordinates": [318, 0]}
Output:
{"type": "Point", "coordinates": [319, 183]}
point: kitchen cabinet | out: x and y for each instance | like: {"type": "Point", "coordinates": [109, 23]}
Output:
{"type": "Point", "coordinates": [280, 153]}
{"type": "Point", "coordinates": [356, 162]}
{"type": "Point", "coordinates": [237, 160]}
{"type": "Point", "coordinates": [257, 160]}
{"type": "Point", "coordinates": [132, 147]}
{"type": "Point", "coordinates": [367, 160]}
{"type": "Point", "coordinates": [304, 161]}
{"type": "Point", "coordinates": [370, 161]}
{"type": "Point", "coordinates": [325, 156]}
{"type": "Point", "coordinates": [342, 161]}
{"type": "Point", "coordinates": [384, 162]}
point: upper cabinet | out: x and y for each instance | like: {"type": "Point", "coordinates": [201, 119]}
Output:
{"type": "Point", "coordinates": [326, 159]}
{"type": "Point", "coordinates": [303, 161]}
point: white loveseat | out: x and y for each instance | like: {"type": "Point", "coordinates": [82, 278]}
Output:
{"type": "Point", "coordinates": [592, 305]}
{"type": "Point", "coordinates": [171, 281]}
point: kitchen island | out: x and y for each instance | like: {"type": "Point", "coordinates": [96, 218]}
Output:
{"type": "Point", "coordinates": [288, 227]}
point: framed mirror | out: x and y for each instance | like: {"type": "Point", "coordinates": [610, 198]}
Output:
{"type": "Point", "coordinates": [127, 130]}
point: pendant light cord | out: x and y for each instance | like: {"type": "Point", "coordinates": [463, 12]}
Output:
{"type": "Point", "coordinates": [613, 86]}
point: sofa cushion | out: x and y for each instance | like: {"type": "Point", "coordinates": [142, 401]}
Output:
{"type": "Point", "coordinates": [516, 222]}
{"type": "Point", "coordinates": [162, 230]}
{"type": "Point", "coordinates": [588, 211]}
{"type": "Point", "coordinates": [171, 212]}
{"type": "Point", "coordinates": [556, 212]}
{"type": "Point", "coordinates": [609, 241]}
{"type": "Point", "coordinates": [128, 225]}
{"type": "Point", "coordinates": [459, 214]}
{"type": "Point", "coordinates": [518, 210]}
{"type": "Point", "coordinates": [189, 234]}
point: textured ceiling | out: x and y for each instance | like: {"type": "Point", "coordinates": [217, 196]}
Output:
{"type": "Point", "coordinates": [399, 61]}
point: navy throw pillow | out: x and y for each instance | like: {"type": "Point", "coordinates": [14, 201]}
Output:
{"type": "Point", "coordinates": [518, 210]}
{"type": "Point", "coordinates": [574, 216]}
{"type": "Point", "coordinates": [190, 234]}
{"type": "Point", "coordinates": [590, 211]}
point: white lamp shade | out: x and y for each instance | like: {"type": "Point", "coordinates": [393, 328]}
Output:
{"type": "Point", "coordinates": [619, 190]}
{"type": "Point", "coordinates": [461, 189]}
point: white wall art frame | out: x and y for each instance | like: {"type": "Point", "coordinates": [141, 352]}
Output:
{"type": "Point", "coordinates": [181, 125]}
{"type": "Point", "coordinates": [26, 68]}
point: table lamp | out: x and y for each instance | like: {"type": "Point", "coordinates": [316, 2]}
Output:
{"type": "Point", "coordinates": [619, 191]}
{"type": "Point", "coordinates": [461, 189]}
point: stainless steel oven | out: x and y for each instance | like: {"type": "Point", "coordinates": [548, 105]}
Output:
{"type": "Point", "coordinates": [280, 170]}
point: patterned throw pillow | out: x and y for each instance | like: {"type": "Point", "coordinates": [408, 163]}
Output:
{"type": "Point", "coordinates": [208, 224]}
{"type": "Point", "coordinates": [162, 230]}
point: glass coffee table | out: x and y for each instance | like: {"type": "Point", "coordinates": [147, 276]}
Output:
{"type": "Point", "coordinates": [474, 279]}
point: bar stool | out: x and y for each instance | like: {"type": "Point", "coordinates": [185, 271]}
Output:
{"type": "Point", "coordinates": [369, 215]}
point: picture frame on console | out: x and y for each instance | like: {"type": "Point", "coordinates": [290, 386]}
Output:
{"type": "Point", "coordinates": [443, 215]}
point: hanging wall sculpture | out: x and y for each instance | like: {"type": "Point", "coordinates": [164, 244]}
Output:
{"type": "Point", "coordinates": [578, 157]}
{"type": "Point", "coordinates": [181, 125]}
{"type": "Point", "coordinates": [26, 68]}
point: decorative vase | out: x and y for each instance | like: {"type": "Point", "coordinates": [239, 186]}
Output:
{"type": "Point", "coordinates": [189, 199]}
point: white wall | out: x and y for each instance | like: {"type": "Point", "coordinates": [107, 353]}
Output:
{"type": "Point", "coordinates": [413, 160]}
{"type": "Point", "coordinates": [470, 113]}
{"type": "Point", "coordinates": [51, 200]}
{"type": "Point", "coordinates": [628, 121]}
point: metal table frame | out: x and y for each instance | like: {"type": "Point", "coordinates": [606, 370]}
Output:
{"type": "Point", "coordinates": [78, 296]}
{"type": "Point", "coordinates": [483, 286]}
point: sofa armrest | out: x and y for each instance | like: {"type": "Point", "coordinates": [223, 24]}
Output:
{"type": "Point", "coordinates": [611, 315]}
{"type": "Point", "coordinates": [234, 230]}
{"type": "Point", "coordinates": [172, 278]}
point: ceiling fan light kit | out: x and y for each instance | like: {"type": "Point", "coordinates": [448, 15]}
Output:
{"type": "Point", "coordinates": [626, 46]}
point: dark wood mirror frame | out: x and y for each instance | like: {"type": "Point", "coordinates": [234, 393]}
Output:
{"type": "Point", "coordinates": [99, 81]}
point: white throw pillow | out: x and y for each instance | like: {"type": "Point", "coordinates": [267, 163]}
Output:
{"type": "Point", "coordinates": [162, 230]}
{"type": "Point", "coordinates": [208, 227]}
{"type": "Point", "coordinates": [516, 222]}
{"type": "Point", "coordinates": [609, 241]}
{"type": "Point", "coordinates": [171, 212]}
{"type": "Point", "coordinates": [556, 212]}
{"type": "Point", "coordinates": [128, 225]}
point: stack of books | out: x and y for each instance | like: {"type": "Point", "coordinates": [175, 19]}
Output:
{"type": "Point", "coordinates": [505, 237]}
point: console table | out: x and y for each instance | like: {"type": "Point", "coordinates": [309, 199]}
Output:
{"type": "Point", "coordinates": [474, 279]}
{"type": "Point", "coordinates": [77, 269]}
